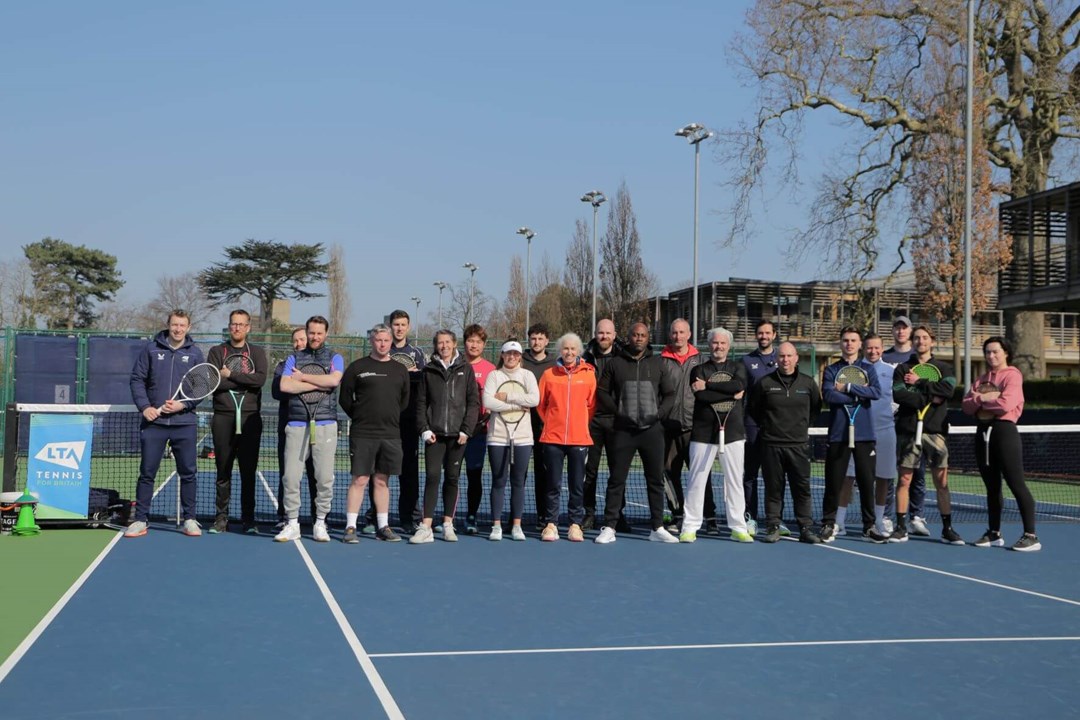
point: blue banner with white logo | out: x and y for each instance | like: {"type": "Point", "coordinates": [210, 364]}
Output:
{"type": "Point", "coordinates": [58, 465]}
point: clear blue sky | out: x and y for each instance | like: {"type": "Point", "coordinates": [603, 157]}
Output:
{"type": "Point", "coordinates": [417, 135]}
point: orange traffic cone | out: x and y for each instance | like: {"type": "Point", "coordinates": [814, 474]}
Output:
{"type": "Point", "coordinates": [25, 525]}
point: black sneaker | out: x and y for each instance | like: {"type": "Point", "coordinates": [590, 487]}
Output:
{"type": "Point", "coordinates": [771, 535]}
{"type": "Point", "coordinates": [387, 534]}
{"type": "Point", "coordinates": [872, 535]}
{"type": "Point", "coordinates": [470, 525]}
{"type": "Point", "coordinates": [220, 525]}
{"type": "Point", "coordinates": [951, 537]}
{"type": "Point", "coordinates": [589, 522]}
{"type": "Point", "coordinates": [622, 525]}
{"type": "Point", "coordinates": [898, 535]}
{"type": "Point", "coordinates": [990, 538]}
{"type": "Point", "coordinates": [251, 528]}
{"type": "Point", "coordinates": [411, 528]}
{"type": "Point", "coordinates": [712, 527]}
{"type": "Point", "coordinates": [828, 533]}
{"type": "Point", "coordinates": [1027, 543]}
{"type": "Point", "coordinates": [350, 537]}
{"type": "Point", "coordinates": [808, 536]}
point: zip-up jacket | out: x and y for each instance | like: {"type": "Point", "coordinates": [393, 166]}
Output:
{"type": "Point", "coordinates": [863, 395]}
{"type": "Point", "coordinates": [567, 401]}
{"type": "Point", "coordinates": [250, 384]}
{"type": "Point", "coordinates": [881, 410]}
{"type": "Point", "coordinates": [408, 415]}
{"type": "Point", "coordinates": [537, 368]}
{"type": "Point", "coordinates": [326, 410]}
{"type": "Point", "coordinates": [1011, 403]}
{"type": "Point", "coordinates": [757, 365]}
{"type": "Point", "coordinates": [448, 398]}
{"type": "Point", "coordinates": [157, 373]}
{"type": "Point", "coordinates": [498, 432]}
{"type": "Point", "coordinates": [915, 398]}
{"type": "Point", "coordinates": [681, 416]}
{"type": "Point", "coordinates": [637, 391]}
{"type": "Point", "coordinates": [598, 360]}
{"type": "Point", "coordinates": [784, 407]}
{"type": "Point", "coordinates": [706, 423]}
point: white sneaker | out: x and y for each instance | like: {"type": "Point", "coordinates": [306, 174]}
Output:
{"type": "Point", "coordinates": [887, 526]}
{"type": "Point", "coordinates": [751, 525]}
{"type": "Point", "coordinates": [841, 531]}
{"type": "Point", "coordinates": [290, 532]}
{"type": "Point", "coordinates": [136, 529]}
{"type": "Point", "coordinates": [918, 526]}
{"type": "Point", "coordinates": [192, 528]}
{"type": "Point", "coordinates": [422, 535]}
{"type": "Point", "coordinates": [516, 533]}
{"type": "Point", "coordinates": [496, 533]}
{"type": "Point", "coordinates": [448, 533]}
{"type": "Point", "coordinates": [319, 533]}
{"type": "Point", "coordinates": [607, 535]}
{"type": "Point", "coordinates": [661, 534]}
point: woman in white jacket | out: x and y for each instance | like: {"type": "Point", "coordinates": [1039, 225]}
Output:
{"type": "Point", "coordinates": [510, 435]}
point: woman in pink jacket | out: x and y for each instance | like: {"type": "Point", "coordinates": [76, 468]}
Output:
{"type": "Point", "coordinates": [998, 449]}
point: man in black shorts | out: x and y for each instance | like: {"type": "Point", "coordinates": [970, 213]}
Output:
{"type": "Point", "coordinates": [374, 392]}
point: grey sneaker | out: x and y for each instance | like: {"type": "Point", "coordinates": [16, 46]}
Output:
{"type": "Point", "coordinates": [516, 533]}
{"type": "Point", "coordinates": [918, 527]}
{"type": "Point", "coordinates": [350, 538]}
{"type": "Point", "coordinates": [220, 525]}
{"type": "Point", "coordinates": [422, 536]}
{"type": "Point", "coordinates": [448, 533]}
{"type": "Point", "coordinates": [387, 534]}
{"type": "Point", "coordinates": [1027, 543]}
{"type": "Point", "coordinates": [136, 529]}
{"type": "Point", "coordinates": [191, 528]}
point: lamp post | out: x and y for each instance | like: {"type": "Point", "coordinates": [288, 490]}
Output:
{"type": "Point", "coordinates": [416, 329]}
{"type": "Point", "coordinates": [694, 134]}
{"type": "Point", "coordinates": [529, 235]}
{"type": "Point", "coordinates": [442, 286]}
{"type": "Point", "coordinates": [472, 268]}
{"type": "Point", "coordinates": [596, 199]}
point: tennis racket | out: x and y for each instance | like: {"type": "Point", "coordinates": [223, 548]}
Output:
{"type": "Point", "coordinates": [987, 388]}
{"type": "Point", "coordinates": [855, 376]}
{"type": "Point", "coordinates": [511, 418]}
{"type": "Point", "coordinates": [405, 359]}
{"type": "Point", "coordinates": [238, 364]}
{"type": "Point", "coordinates": [989, 391]}
{"type": "Point", "coordinates": [722, 408]}
{"type": "Point", "coordinates": [197, 383]}
{"type": "Point", "coordinates": [312, 398]}
{"type": "Point", "coordinates": [930, 373]}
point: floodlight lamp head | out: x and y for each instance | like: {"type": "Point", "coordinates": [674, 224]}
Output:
{"type": "Point", "coordinates": [471, 267]}
{"type": "Point", "coordinates": [529, 234]}
{"type": "Point", "coordinates": [440, 284]}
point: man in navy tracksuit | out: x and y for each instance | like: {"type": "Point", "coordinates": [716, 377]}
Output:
{"type": "Point", "coordinates": [154, 379]}
{"type": "Point", "coordinates": [758, 363]}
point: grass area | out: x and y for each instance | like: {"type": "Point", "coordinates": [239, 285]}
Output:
{"type": "Point", "coordinates": [38, 570]}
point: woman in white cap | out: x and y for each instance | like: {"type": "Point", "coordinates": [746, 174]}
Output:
{"type": "Point", "coordinates": [509, 392]}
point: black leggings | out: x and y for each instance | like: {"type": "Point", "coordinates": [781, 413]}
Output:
{"type": "Point", "coordinates": [1005, 458]}
{"type": "Point", "coordinates": [445, 454]}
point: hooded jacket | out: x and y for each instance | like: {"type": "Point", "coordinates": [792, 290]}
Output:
{"type": "Point", "coordinates": [156, 376]}
{"type": "Point", "coordinates": [567, 402]}
{"type": "Point", "coordinates": [598, 360]}
{"type": "Point", "coordinates": [913, 399]}
{"type": "Point", "coordinates": [681, 417]}
{"type": "Point", "coordinates": [448, 398]}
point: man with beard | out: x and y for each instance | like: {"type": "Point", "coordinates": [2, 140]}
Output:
{"type": "Point", "coordinates": [601, 349]}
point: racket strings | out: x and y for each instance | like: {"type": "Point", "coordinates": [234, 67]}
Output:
{"type": "Point", "coordinates": [239, 363]}
{"type": "Point", "coordinates": [200, 381]}
{"type": "Point", "coordinates": [316, 395]}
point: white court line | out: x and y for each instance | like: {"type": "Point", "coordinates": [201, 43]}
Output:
{"type": "Point", "coordinates": [955, 575]}
{"type": "Point", "coordinates": [381, 691]}
{"type": "Point", "coordinates": [40, 628]}
{"type": "Point", "coordinates": [728, 646]}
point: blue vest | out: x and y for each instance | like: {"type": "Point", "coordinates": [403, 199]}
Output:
{"type": "Point", "coordinates": [327, 407]}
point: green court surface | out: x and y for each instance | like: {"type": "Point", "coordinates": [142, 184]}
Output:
{"type": "Point", "coordinates": [38, 570]}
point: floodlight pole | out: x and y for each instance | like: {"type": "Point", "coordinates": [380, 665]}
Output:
{"type": "Point", "coordinates": [596, 199]}
{"type": "Point", "coordinates": [472, 268]}
{"type": "Point", "coordinates": [416, 329]}
{"type": "Point", "coordinates": [968, 134]}
{"type": "Point", "coordinates": [529, 235]}
{"type": "Point", "coordinates": [695, 134]}
{"type": "Point", "coordinates": [442, 286]}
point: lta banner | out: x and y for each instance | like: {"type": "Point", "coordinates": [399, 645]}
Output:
{"type": "Point", "coordinates": [58, 466]}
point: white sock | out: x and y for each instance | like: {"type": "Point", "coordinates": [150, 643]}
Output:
{"type": "Point", "coordinates": [383, 519]}
{"type": "Point", "coordinates": [350, 519]}
{"type": "Point", "coordinates": [294, 521]}
{"type": "Point", "coordinates": [321, 520]}
{"type": "Point", "coordinates": [841, 515]}
{"type": "Point", "coordinates": [879, 514]}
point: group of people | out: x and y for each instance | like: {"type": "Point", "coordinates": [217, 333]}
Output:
{"type": "Point", "coordinates": [561, 412]}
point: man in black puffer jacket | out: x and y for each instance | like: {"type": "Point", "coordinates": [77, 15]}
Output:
{"type": "Point", "coordinates": [635, 389]}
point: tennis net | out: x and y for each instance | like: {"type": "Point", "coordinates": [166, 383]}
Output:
{"type": "Point", "coordinates": [1050, 453]}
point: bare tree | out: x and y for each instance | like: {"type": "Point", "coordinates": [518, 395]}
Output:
{"type": "Point", "coordinates": [513, 308]}
{"type": "Point", "coordinates": [549, 298]}
{"type": "Point", "coordinates": [866, 61]}
{"type": "Point", "coordinates": [578, 279]}
{"type": "Point", "coordinates": [121, 315]}
{"type": "Point", "coordinates": [625, 283]}
{"type": "Point", "coordinates": [466, 306]}
{"type": "Point", "coordinates": [177, 291]}
{"type": "Point", "coordinates": [337, 283]}
{"type": "Point", "coordinates": [19, 300]}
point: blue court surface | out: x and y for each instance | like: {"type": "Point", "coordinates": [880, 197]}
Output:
{"type": "Point", "coordinates": [235, 626]}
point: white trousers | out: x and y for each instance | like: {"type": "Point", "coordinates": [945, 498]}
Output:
{"type": "Point", "coordinates": [702, 456]}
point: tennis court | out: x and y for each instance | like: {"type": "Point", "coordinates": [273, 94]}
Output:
{"type": "Point", "coordinates": [238, 626]}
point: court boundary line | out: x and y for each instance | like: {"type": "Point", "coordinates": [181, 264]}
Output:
{"type": "Point", "coordinates": [946, 573]}
{"type": "Point", "coordinates": [43, 624]}
{"type": "Point", "coordinates": [727, 646]}
{"type": "Point", "coordinates": [386, 699]}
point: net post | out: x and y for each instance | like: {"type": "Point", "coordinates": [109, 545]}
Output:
{"type": "Point", "coordinates": [11, 446]}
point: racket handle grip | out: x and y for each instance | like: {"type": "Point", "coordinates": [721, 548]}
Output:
{"type": "Point", "coordinates": [721, 440]}
{"type": "Point", "coordinates": [918, 434]}
{"type": "Point", "coordinates": [851, 436]}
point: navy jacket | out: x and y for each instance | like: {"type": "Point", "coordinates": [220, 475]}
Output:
{"type": "Point", "coordinates": [838, 417]}
{"type": "Point", "coordinates": [157, 373]}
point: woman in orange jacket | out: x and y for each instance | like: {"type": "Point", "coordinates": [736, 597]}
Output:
{"type": "Point", "coordinates": [567, 403]}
